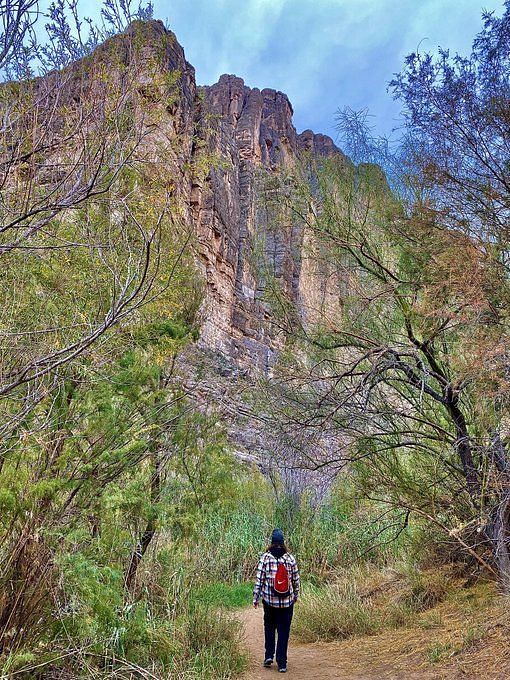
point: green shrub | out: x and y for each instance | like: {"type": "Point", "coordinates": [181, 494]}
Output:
{"type": "Point", "coordinates": [226, 595]}
{"type": "Point", "coordinates": [214, 643]}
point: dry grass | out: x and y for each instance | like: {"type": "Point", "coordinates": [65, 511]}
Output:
{"type": "Point", "coordinates": [362, 601]}
{"type": "Point", "coordinates": [334, 613]}
{"type": "Point", "coordinates": [465, 636]}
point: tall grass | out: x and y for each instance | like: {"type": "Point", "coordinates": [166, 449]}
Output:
{"type": "Point", "coordinates": [334, 613]}
{"type": "Point", "coordinates": [214, 645]}
{"type": "Point", "coordinates": [178, 625]}
{"type": "Point", "coordinates": [365, 600]}
{"type": "Point", "coordinates": [322, 537]}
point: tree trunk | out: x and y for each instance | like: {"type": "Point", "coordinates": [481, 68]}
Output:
{"type": "Point", "coordinates": [499, 535]}
{"type": "Point", "coordinates": [463, 447]}
{"type": "Point", "coordinates": [145, 537]}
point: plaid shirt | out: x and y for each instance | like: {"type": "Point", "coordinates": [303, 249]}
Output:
{"type": "Point", "coordinates": [266, 572]}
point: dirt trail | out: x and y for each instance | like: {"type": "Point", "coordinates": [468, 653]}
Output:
{"type": "Point", "coordinates": [465, 637]}
{"type": "Point", "coordinates": [305, 661]}
{"type": "Point", "coordinates": [333, 661]}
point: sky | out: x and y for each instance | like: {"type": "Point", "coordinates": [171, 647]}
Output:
{"type": "Point", "coordinates": [324, 54]}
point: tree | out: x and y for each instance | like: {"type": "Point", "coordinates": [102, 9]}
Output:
{"type": "Point", "coordinates": [92, 457]}
{"type": "Point", "coordinates": [18, 18]}
{"type": "Point", "coordinates": [95, 264]}
{"type": "Point", "coordinates": [413, 378]}
{"type": "Point", "coordinates": [73, 150]}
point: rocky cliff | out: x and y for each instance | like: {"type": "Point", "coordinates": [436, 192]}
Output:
{"type": "Point", "coordinates": [242, 239]}
{"type": "Point", "coordinates": [226, 158]}
{"type": "Point", "coordinates": [227, 150]}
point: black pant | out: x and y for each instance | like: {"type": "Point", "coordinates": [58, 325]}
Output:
{"type": "Point", "coordinates": [277, 619]}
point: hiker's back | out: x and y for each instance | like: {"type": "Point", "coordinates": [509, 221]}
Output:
{"type": "Point", "coordinates": [277, 584]}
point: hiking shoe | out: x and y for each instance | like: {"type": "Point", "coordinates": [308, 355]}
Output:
{"type": "Point", "coordinates": [282, 669]}
{"type": "Point", "coordinates": [267, 663]}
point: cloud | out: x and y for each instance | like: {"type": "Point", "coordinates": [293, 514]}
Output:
{"type": "Point", "coordinates": [324, 54]}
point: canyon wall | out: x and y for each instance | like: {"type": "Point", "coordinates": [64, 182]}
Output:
{"type": "Point", "coordinates": [229, 162]}
{"type": "Point", "coordinates": [243, 240]}
{"type": "Point", "coordinates": [246, 239]}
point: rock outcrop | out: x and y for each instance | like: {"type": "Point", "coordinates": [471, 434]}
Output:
{"type": "Point", "coordinates": [227, 155]}
{"type": "Point", "coordinates": [242, 239]}
{"type": "Point", "coordinates": [246, 239]}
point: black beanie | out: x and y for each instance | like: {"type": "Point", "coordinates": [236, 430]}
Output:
{"type": "Point", "coordinates": [277, 537]}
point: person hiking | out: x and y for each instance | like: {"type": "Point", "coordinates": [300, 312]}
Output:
{"type": "Point", "coordinates": [277, 583]}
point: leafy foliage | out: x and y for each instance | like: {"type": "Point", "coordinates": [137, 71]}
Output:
{"type": "Point", "coordinates": [405, 381]}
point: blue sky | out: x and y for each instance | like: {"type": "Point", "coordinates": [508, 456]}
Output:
{"type": "Point", "coordinates": [325, 54]}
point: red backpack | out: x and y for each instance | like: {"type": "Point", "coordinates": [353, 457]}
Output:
{"type": "Point", "coordinates": [281, 585]}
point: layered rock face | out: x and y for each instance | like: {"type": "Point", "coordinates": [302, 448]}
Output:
{"type": "Point", "coordinates": [246, 239]}
{"type": "Point", "coordinates": [243, 240]}
{"type": "Point", "coordinates": [227, 153]}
